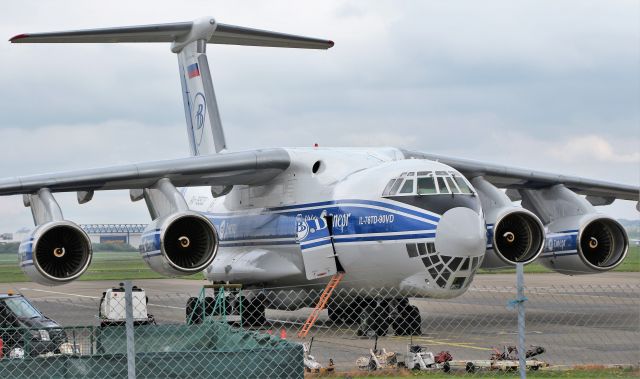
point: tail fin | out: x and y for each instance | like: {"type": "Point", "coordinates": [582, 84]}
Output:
{"type": "Point", "coordinates": [188, 41]}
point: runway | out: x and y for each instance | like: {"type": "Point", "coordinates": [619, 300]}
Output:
{"type": "Point", "coordinates": [579, 320]}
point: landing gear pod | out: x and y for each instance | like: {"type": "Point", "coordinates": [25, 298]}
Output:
{"type": "Point", "coordinates": [55, 253]}
{"type": "Point", "coordinates": [182, 243]}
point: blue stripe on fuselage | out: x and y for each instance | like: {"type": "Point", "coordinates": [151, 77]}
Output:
{"type": "Point", "coordinates": [305, 222]}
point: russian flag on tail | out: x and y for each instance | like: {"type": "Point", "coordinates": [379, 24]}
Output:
{"type": "Point", "coordinates": [193, 71]}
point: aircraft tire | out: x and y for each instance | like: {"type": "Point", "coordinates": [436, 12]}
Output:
{"type": "Point", "coordinates": [348, 313]}
{"type": "Point", "coordinates": [374, 318]}
{"type": "Point", "coordinates": [336, 313]}
{"type": "Point", "coordinates": [193, 311]}
{"type": "Point", "coordinates": [253, 311]}
{"type": "Point", "coordinates": [408, 322]}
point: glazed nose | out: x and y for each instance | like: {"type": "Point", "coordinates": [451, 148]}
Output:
{"type": "Point", "coordinates": [461, 233]}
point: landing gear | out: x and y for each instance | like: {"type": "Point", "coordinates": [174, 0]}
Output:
{"type": "Point", "coordinates": [196, 311]}
{"type": "Point", "coordinates": [347, 313]}
{"type": "Point", "coordinates": [407, 321]}
{"type": "Point", "coordinates": [374, 318]}
{"type": "Point", "coordinates": [253, 311]}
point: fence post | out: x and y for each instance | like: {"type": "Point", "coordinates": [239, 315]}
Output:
{"type": "Point", "coordinates": [131, 349]}
{"type": "Point", "coordinates": [521, 327]}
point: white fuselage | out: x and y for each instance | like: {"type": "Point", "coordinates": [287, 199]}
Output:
{"type": "Point", "coordinates": [277, 234]}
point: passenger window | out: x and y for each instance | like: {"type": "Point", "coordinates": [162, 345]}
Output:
{"type": "Point", "coordinates": [426, 186]}
{"type": "Point", "coordinates": [462, 184]}
{"type": "Point", "coordinates": [452, 185]}
{"type": "Point", "coordinates": [395, 187]}
{"type": "Point", "coordinates": [442, 186]}
{"type": "Point", "coordinates": [387, 189]}
{"type": "Point", "coordinates": [407, 187]}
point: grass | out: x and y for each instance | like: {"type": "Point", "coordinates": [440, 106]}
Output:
{"type": "Point", "coordinates": [129, 265]}
{"type": "Point", "coordinates": [586, 372]}
{"type": "Point", "coordinates": [630, 264]}
{"type": "Point", "coordinates": [104, 266]}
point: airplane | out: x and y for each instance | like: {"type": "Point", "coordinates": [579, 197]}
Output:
{"type": "Point", "coordinates": [420, 223]}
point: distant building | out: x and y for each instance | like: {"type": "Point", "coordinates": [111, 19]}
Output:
{"type": "Point", "coordinates": [98, 233]}
{"type": "Point", "coordinates": [21, 234]}
{"type": "Point", "coordinates": [115, 233]}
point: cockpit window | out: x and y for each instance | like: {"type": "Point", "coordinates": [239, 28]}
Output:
{"type": "Point", "coordinates": [464, 187]}
{"type": "Point", "coordinates": [396, 186]}
{"type": "Point", "coordinates": [441, 186]}
{"type": "Point", "coordinates": [427, 183]}
{"type": "Point", "coordinates": [426, 186]}
{"type": "Point", "coordinates": [452, 185]}
{"type": "Point", "coordinates": [387, 189]}
{"type": "Point", "coordinates": [407, 187]}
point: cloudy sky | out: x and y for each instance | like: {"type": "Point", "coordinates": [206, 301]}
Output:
{"type": "Point", "coordinates": [541, 84]}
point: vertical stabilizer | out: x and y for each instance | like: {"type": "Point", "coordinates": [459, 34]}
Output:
{"type": "Point", "coordinates": [204, 126]}
{"type": "Point", "coordinates": [189, 41]}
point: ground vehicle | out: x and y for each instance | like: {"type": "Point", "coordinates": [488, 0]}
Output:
{"type": "Point", "coordinates": [419, 359]}
{"type": "Point", "coordinates": [113, 307]}
{"type": "Point", "coordinates": [23, 326]}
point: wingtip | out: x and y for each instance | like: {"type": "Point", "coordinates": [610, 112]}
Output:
{"type": "Point", "coordinates": [17, 37]}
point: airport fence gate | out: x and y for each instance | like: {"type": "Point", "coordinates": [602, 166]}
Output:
{"type": "Point", "coordinates": [586, 330]}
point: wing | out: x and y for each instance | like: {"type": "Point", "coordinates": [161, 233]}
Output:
{"type": "Point", "coordinates": [598, 192]}
{"type": "Point", "coordinates": [249, 167]}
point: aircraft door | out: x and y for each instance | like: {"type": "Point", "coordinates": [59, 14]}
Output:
{"type": "Point", "coordinates": [314, 235]}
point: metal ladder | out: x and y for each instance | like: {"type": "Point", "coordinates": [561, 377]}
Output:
{"type": "Point", "coordinates": [322, 303]}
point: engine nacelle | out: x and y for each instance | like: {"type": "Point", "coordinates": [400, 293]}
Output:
{"type": "Point", "coordinates": [55, 253]}
{"type": "Point", "coordinates": [182, 243]}
{"type": "Point", "coordinates": [585, 245]}
{"type": "Point", "coordinates": [516, 236]}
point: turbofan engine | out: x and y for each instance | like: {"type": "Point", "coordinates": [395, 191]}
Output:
{"type": "Point", "coordinates": [579, 239]}
{"type": "Point", "coordinates": [514, 234]}
{"type": "Point", "coordinates": [597, 244]}
{"type": "Point", "coordinates": [517, 236]}
{"type": "Point", "coordinates": [55, 253]}
{"type": "Point", "coordinates": [182, 243]}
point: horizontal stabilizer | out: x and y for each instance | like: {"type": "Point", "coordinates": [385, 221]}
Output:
{"type": "Point", "coordinates": [177, 32]}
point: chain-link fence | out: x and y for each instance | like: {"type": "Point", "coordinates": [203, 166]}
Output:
{"type": "Point", "coordinates": [233, 332]}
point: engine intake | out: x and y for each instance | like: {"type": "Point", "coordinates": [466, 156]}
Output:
{"type": "Point", "coordinates": [55, 253]}
{"type": "Point", "coordinates": [518, 237]}
{"type": "Point", "coordinates": [603, 244]}
{"type": "Point", "coordinates": [596, 245]}
{"type": "Point", "coordinates": [180, 244]}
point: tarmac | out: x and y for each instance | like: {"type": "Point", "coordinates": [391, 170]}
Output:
{"type": "Point", "coordinates": [579, 320]}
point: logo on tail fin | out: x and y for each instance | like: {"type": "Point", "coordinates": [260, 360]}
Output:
{"type": "Point", "coordinates": [198, 117]}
